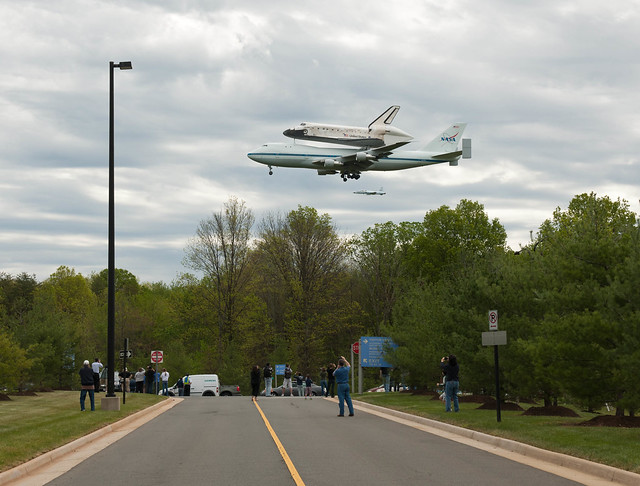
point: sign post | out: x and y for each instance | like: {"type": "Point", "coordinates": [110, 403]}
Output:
{"type": "Point", "coordinates": [355, 349]}
{"type": "Point", "coordinates": [372, 350]}
{"type": "Point", "coordinates": [495, 338]}
{"type": "Point", "coordinates": [280, 371]}
{"type": "Point", "coordinates": [157, 357]}
{"type": "Point", "coordinates": [124, 353]}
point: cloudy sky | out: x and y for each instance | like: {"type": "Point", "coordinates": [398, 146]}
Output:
{"type": "Point", "coordinates": [550, 90]}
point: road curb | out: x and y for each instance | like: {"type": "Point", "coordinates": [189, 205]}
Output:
{"type": "Point", "coordinates": [29, 467]}
{"type": "Point", "coordinates": [603, 471]}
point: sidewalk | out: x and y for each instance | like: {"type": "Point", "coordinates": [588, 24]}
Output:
{"type": "Point", "coordinates": [573, 468]}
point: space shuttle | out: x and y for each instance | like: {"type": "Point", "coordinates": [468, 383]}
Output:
{"type": "Point", "coordinates": [379, 132]}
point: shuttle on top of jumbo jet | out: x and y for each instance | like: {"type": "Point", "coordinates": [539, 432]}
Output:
{"type": "Point", "coordinates": [447, 147]}
{"type": "Point", "coordinates": [377, 134]}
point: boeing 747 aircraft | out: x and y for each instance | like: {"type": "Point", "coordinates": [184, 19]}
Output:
{"type": "Point", "coordinates": [351, 162]}
{"type": "Point", "coordinates": [378, 133]}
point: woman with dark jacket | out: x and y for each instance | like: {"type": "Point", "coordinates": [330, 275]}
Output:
{"type": "Point", "coordinates": [451, 369]}
{"type": "Point", "coordinates": [255, 383]}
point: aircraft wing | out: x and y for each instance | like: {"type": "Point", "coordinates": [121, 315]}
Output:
{"type": "Point", "coordinates": [363, 159]}
{"type": "Point", "coordinates": [358, 161]}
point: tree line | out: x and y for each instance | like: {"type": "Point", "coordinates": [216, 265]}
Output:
{"type": "Point", "coordinates": [289, 289]}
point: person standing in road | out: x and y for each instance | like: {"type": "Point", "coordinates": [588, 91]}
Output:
{"type": "Point", "coordinates": [255, 383]}
{"type": "Point", "coordinates": [300, 384]}
{"type": "Point", "coordinates": [323, 381]}
{"type": "Point", "coordinates": [268, 373]}
{"type": "Point", "coordinates": [288, 373]}
{"type": "Point", "coordinates": [140, 380]}
{"type": "Point", "coordinates": [342, 380]}
{"type": "Point", "coordinates": [96, 366]}
{"type": "Point", "coordinates": [86, 381]}
{"type": "Point", "coordinates": [186, 381]}
{"type": "Point", "coordinates": [307, 392]}
{"type": "Point", "coordinates": [332, 381]}
{"type": "Point", "coordinates": [164, 377]}
{"type": "Point", "coordinates": [180, 386]}
{"type": "Point", "coordinates": [451, 369]}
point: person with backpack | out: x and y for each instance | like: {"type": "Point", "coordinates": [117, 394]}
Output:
{"type": "Point", "coordinates": [288, 372]}
{"type": "Point", "coordinates": [268, 374]}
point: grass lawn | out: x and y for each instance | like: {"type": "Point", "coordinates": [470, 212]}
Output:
{"type": "Point", "coordinates": [615, 446]}
{"type": "Point", "coordinates": [30, 426]}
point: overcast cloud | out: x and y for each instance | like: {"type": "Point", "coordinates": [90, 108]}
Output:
{"type": "Point", "coordinates": [549, 89]}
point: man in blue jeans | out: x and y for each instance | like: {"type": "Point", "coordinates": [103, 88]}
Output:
{"type": "Point", "coordinates": [341, 375]}
{"type": "Point", "coordinates": [86, 380]}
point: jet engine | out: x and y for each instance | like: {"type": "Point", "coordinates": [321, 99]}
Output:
{"type": "Point", "coordinates": [331, 163]}
{"type": "Point", "coordinates": [362, 157]}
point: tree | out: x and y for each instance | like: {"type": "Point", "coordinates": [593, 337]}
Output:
{"type": "Point", "coordinates": [221, 251]}
{"type": "Point", "coordinates": [450, 238]}
{"type": "Point", "coordinates": [303, 253]}
{"type": "Point", "coordinates": [444, 304]}
{"type": "Point", "coordinates": [14, 363]}
{"type": "Point", "coordinates": [379, 255]}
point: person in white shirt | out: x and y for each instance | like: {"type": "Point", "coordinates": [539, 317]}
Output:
{"type": "Point", "coordinates": [164, 377]}
{"type": "Point", "coordinates": [96, 366]}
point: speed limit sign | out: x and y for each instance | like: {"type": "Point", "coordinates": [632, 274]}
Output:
{"type": "Point", "coordinates": [493, 320]}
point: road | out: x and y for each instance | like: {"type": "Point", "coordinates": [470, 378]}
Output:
{"type": "Point", "coordinates": [226, 441]}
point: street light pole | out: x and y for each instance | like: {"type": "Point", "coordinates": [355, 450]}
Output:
{"type": "Point", "coordinates": [111, 290]}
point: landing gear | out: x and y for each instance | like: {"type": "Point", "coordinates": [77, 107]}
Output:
{"type": "Point", "coordinates": [270, 171]}
{"type": "Point", "coordinates": [350, 175]}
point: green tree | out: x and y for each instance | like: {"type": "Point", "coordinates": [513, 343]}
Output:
{"type": "Point", "coordinates": [221, 251]}
{"type": "Point", "coordinates": [379, 255]}
{"type": "Point", "coordinates": [15, 366]}
{"type": "Point", "coordinates": [304, 255]}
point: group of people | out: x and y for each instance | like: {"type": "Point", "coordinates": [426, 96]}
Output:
{"type": "Point", "coordinates": [329, 377]}
{"type": "Point", "coordinates": [142, 381]}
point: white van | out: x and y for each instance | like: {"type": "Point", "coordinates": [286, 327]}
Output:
{"type": "Point", "coordinates": [201, 386]}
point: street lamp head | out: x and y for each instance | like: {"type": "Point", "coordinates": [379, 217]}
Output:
{"type": "Point", "coordinates": [124, 65]}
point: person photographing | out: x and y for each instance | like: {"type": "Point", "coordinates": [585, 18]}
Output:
{"type": "Point", "coordinates": [450, 369]}
{"type": "Point", "coordinates": [341, 375]}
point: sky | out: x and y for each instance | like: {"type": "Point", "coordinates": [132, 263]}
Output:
{"type": "Point", "coordinates": [549, 90]}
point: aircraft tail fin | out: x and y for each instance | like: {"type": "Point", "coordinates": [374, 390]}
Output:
{"type": "Point", "coordinates": [387, 117]}
{"type": "Point", "coordinates": [447, 141]}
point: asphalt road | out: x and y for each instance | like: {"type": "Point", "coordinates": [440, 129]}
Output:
{"type": "Point", "coordinates": [225, 441]}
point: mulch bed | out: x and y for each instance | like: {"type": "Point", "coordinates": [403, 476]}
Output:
{"type": "Point", "coordinates": [612, 421]}
{"type": "Point", "coordinates": [506, 406]}
{"type": "Point", "coordinates": [4, 398]}
{"type": "Point", "coordinates": [25, 394]}
{"type": "Point", "coordinates": [554, 411]}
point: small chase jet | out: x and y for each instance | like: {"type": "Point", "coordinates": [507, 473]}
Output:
{"type": "Point", "coordinates": [369, 192]}
{"type": "Point", "coordinates": [351, 162]}
{"type": "Point", "coordinates": [378, 133]}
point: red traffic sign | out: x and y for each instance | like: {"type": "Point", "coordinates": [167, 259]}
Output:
{"type": "Point", "coordinates": [493, 320]}
{"type": "Point", "coordinates": [157, 356]}
{"type": "Point", "coordinates": [356, 347]}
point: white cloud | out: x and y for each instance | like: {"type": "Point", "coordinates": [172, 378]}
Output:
{"type": "Point", "coordinates": [548, 89]}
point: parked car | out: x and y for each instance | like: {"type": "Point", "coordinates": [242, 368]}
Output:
{"type": "Point", "coordinates": [316, 391]}
{"type": "Point", "coordinates": [230, 390]}
{"type": "Point", "coordinates": [380, 388]}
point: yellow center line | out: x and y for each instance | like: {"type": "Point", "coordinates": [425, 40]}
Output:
{"type": "Point", "coordinates": [292, 469]}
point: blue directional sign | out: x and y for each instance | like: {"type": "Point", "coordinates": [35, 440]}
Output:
{"type": "Point", "coordinates": [373, 350]}
{"type": "Point", "coordinates": [280, 370]}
